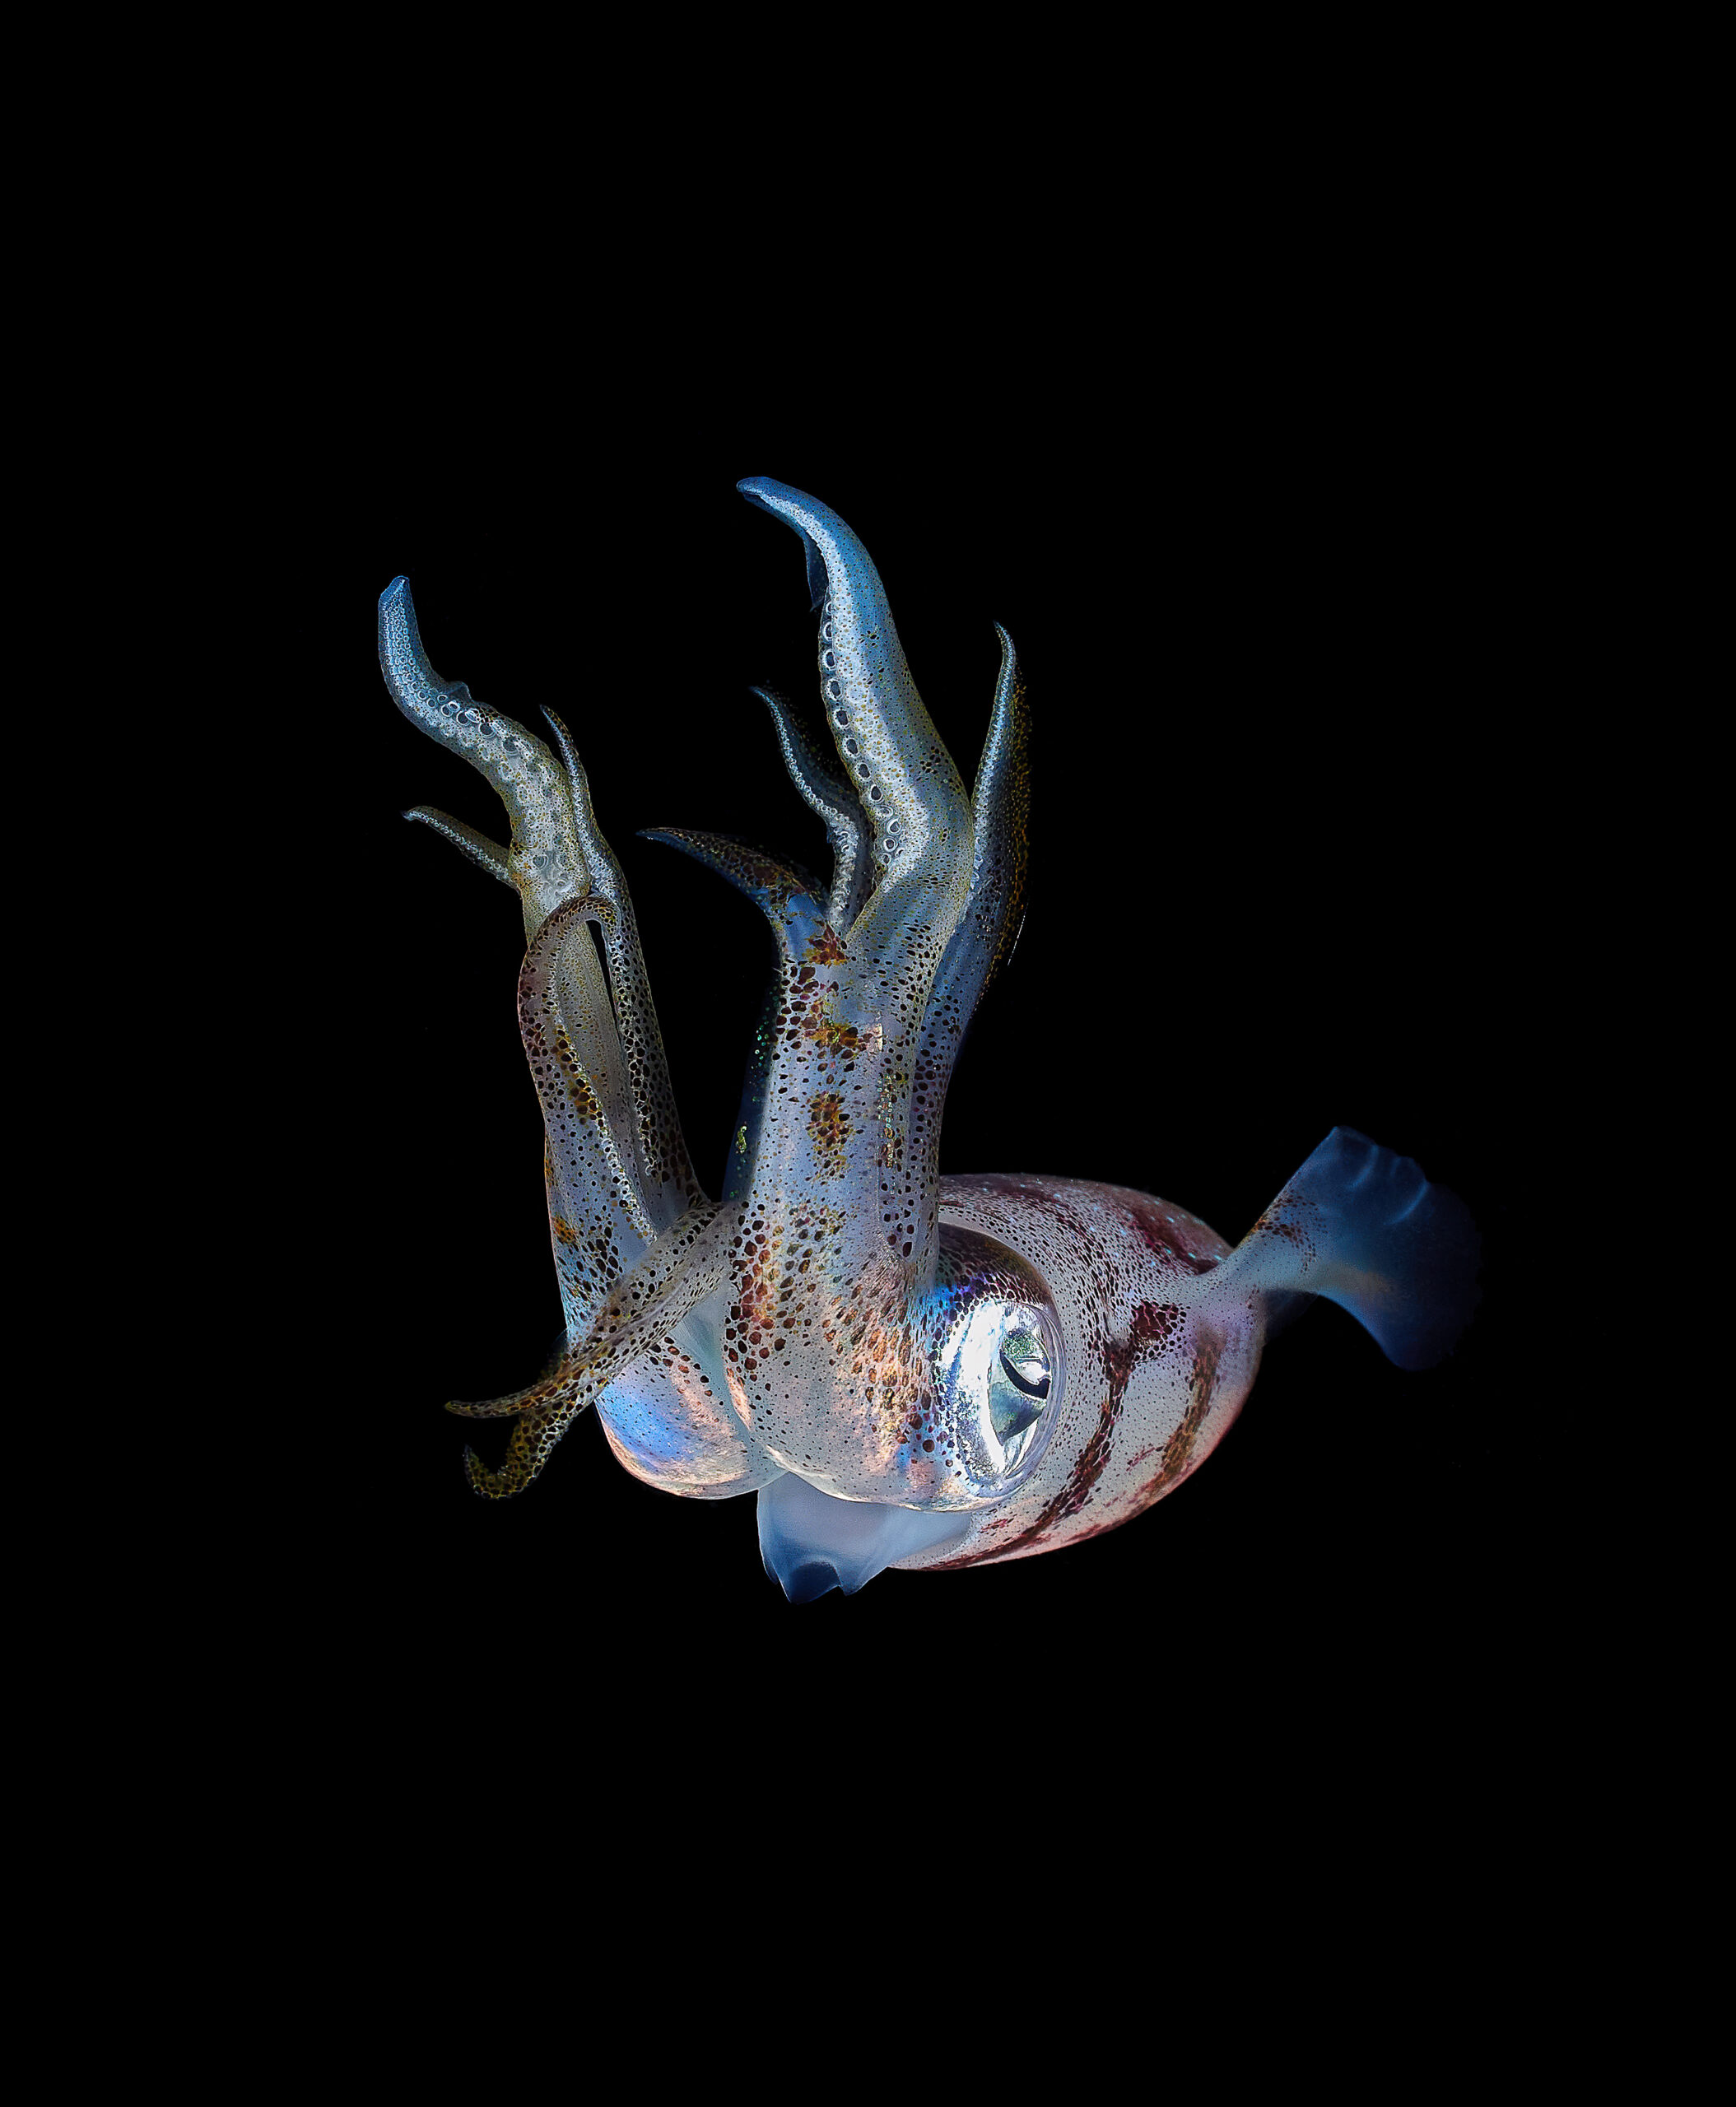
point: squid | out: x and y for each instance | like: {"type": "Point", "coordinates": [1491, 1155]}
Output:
{"type": "Point", "coordinates": [908, 1370]}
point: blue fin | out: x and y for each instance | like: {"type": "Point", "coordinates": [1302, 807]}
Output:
{"type": "Point", "coordinates": [1365, 1228]}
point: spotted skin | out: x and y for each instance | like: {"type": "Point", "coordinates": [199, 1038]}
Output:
{"type": "Point", "coordinates": [836, 1317]}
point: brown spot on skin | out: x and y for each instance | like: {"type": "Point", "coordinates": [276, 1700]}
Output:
{"type": "Point", "coordinates": [829, 1129]}
{"type": "Point", "coordinates": [824, 948]}
{"type": "Point", "coordinates": [827, 1033]}
{"type": "Point", "coordinates": [759, 1304]}
{"type": "Point", "coordinates": [812, 1222]}
{"type": "Point", "coordinates": [576, 1086]}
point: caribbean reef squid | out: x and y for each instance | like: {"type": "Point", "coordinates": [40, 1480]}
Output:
{"type": "Point", "coordinates": [908, 1370]}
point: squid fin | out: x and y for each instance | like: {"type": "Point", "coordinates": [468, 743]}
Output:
{"type": "Point", "coordinates": [1367, 1229]}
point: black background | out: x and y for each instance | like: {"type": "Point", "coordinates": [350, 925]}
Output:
{"type": "Point", "coordinates": [1278, 622]}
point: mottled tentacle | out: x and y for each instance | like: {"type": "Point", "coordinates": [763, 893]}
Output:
{"type": "Point", "coordinates": [584, 1009]}
{"type": "Point", "coordinates": [845, 1039]}
{"type": "Point", "coordinates": [791, 902]}
{"type": "Point", "coordinates": [834, 800]}
{"type": "Point", "coordinates": [826, 1343]}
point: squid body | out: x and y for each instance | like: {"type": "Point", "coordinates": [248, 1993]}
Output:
{"type": "Point", "coordinates": [908, 1371]}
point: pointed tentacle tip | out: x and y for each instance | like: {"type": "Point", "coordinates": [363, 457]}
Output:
{"type": "Point", "coordinates": [487, 1408]}
{"type": "Point", "coordinates": [568, 750]}
{"type": "Point", "coordinates": [792, 507]}
{"type": "Point", "coordinates": [759, 490]}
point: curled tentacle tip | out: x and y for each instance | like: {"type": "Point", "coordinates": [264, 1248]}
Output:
{"type": "Point", "coordinates": [482, 1481]}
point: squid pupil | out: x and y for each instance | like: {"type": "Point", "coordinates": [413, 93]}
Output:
{"type": "Point", "coordinates": [1027, 1364]}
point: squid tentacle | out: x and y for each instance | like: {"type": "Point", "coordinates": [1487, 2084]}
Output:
{"type": "Point", "coordinates": [669, 1184]}
{"type": "Point", "coordinates": [545, 858]}
{"type": "Point", "coordinates": [845, 1038]}
{"type": "Point", "coordinates": [905, 780]}
{"type": "Point", "coordinates": [845, 1182]}
{"type": "Point", "coordinates": [791, 900]}
{"type": "Point", "coordinates": [987, 931]}
{"type": "Point", "coordinates": [593, 1182]}
{"type": "Point", "coordinates": [834, 800]}
{"type": "Point", "coordinates": [580, 1006]}
{"type": "Point", "coordinates": [556, 854]}
{"type": "Point", "coordinates": [488, 855]}
{"type": "Point", "coordinates": [1000, 806]}
{"type": "Point", "coordinates": [533, 1443]}
{"type": "Point", "coordinates": [545, 861]}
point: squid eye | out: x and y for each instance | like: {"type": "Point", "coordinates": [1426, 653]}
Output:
{"type": "Point", "coordinates": [1001, 1372]}
{"type": "Point", "coordinates": [1018, 1402]}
